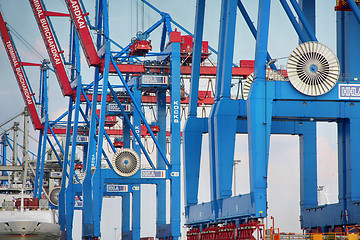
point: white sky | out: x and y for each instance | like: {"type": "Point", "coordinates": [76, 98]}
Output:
{"type": "Point", "coordinates": [284, 154]}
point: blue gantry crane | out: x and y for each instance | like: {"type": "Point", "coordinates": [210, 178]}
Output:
{"type": "Point", "coordinates": [320, 89]}
{"type": "Point", "coordinates": [123, 175]}
{"type": "Point", "coordinates": [317, 87]}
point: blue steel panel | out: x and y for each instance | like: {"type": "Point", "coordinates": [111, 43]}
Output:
{"type": "Point", "coordinates": [161, 136]}
{"type": "Point", "coordinates": [308, 165]}
{"type": "Point", "coordinates": [62, 193]}
{"type": "Point", "coordinates": [192, 141]}
{"type": "Point", "coordinates": [329, 215]}
{"type": "Point", "coordinates": [163, 231]}
{"type": "Point", "coordinates": [233, 207]}
{"type": "Point", "coordinates": [201, 213]}
{"type": "Point", "coordinates": [125, 210]}
{"type": "Point", "coordinates": [69, 192]}
{"type": "Point", "coordinates": [343, 163]}
{"type": "Point", "coordinates": [136, 212]}
{"type": "Point", "coordinates": [354, 162]}
{"type": "Point", "coordinates": [127, 235]}
{"type": "Point", "coordinates": [126, 135]}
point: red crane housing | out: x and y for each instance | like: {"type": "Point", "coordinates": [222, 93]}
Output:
{"type": "Point", "coordinates": [186, 49]}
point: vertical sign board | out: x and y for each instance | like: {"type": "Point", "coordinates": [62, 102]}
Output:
{"type": "Point", "coordinates": [349, 91]}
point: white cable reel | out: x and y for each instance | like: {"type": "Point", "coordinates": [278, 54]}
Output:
{"type": "Point", "coordinates": [313, 69]}
{"type": "Point", "coordinates": [126, 162]}
{"type": "Point", "coordinates": [54, 196]}
{"type": "Point", "coordinates": [271, 75]}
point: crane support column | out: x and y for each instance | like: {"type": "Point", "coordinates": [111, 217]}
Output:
{"type": "Point", "coordinates": [308, 165]}
{"type": "Point", "coordinates": [354, 187]}
{"type": "Point", "coordinates": [259, 113]}
{"type": "Point", "coordinates": [69, 192]}
{"type": "Point", "coordinates": [90, 163]}
{"type": "Point", "coordinates": [193, 126]}
{"type": "Point", "coordinates": [222, 120]}
{"type": "Point", "coordinates": [65, 171]}
{"type": "Point", "coordinates": [175, 137]}
{"type": "Point", "coordinates": [136, 199]}
{"type": "Point", "coordinates": [125, 210]}
{"type": "Point", "coordinates": [343, 163]}
{"type": "Point", "coordinates": [161, 136]}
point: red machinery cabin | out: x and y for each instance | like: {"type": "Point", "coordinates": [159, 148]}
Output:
{"type": "Point", "coordinates": [118, 143]}
{"type": "Point", "coordinates": [186, 49]}
{"type": "Point", "coordinates": [140, 45]}
{"type": "Point", "coordinates": [79, 166]}
{"type": "Point", "coordinates": [343, 5]}
{"type": "Point", "coordinates": [110, 121]}
{"type": "Point", "coordinates": [247, 63]}
{"type": "Point", "coordinates": [154, 128]}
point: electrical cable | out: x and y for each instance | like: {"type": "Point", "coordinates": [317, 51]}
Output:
{"type": "Point", "coordinates": [26, 43]}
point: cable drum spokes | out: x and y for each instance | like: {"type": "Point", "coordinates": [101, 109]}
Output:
{"type": "Point", "coordinates": [271, 75]}
{"type": "Point", "coordinates": [126, 162]}
{"type": "Point", "coordinates": [313, 69]}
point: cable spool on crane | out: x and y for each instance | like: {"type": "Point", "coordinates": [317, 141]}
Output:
{"type": "Point", "coordinates": [271, 75]}
{"type": "Point", "coordinates": [313, 69]}
{"type": "Point", "coordinates": [126, 162]}
{"type": "Point", "coordinates": [54, 196]}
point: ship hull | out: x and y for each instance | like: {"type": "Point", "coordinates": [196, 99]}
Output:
{"type": "Point", "coordinates": [29, 224]}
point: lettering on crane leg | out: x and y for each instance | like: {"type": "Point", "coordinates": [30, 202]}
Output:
{"type": "Point", "coordinates": [78, 14]}
{"type": "Point", "coordinates": [38, 8]}
{"type": "Point", "coordinates": [349, 91]}
{"type": "Point", "coordinates": [18, 71]}
{"type": "Point", "coordinates": [93, 160]}
{"type": "Point", "coordinates": [137, 132]}
{"type": "Point", "coordinates": [176, 111]}
{"type": "Point", "coordinates": [52, 48]}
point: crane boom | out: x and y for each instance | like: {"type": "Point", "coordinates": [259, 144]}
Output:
{"type": "Point", "coordinates": [51, 46]}
{"type": "Point", "coordinates": [19, 73]}
{"type": "Point", "coordinates": [77, 17]}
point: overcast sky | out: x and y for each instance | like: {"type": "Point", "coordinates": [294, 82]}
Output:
{"type": "Point", "coordinates": [284, 150]}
